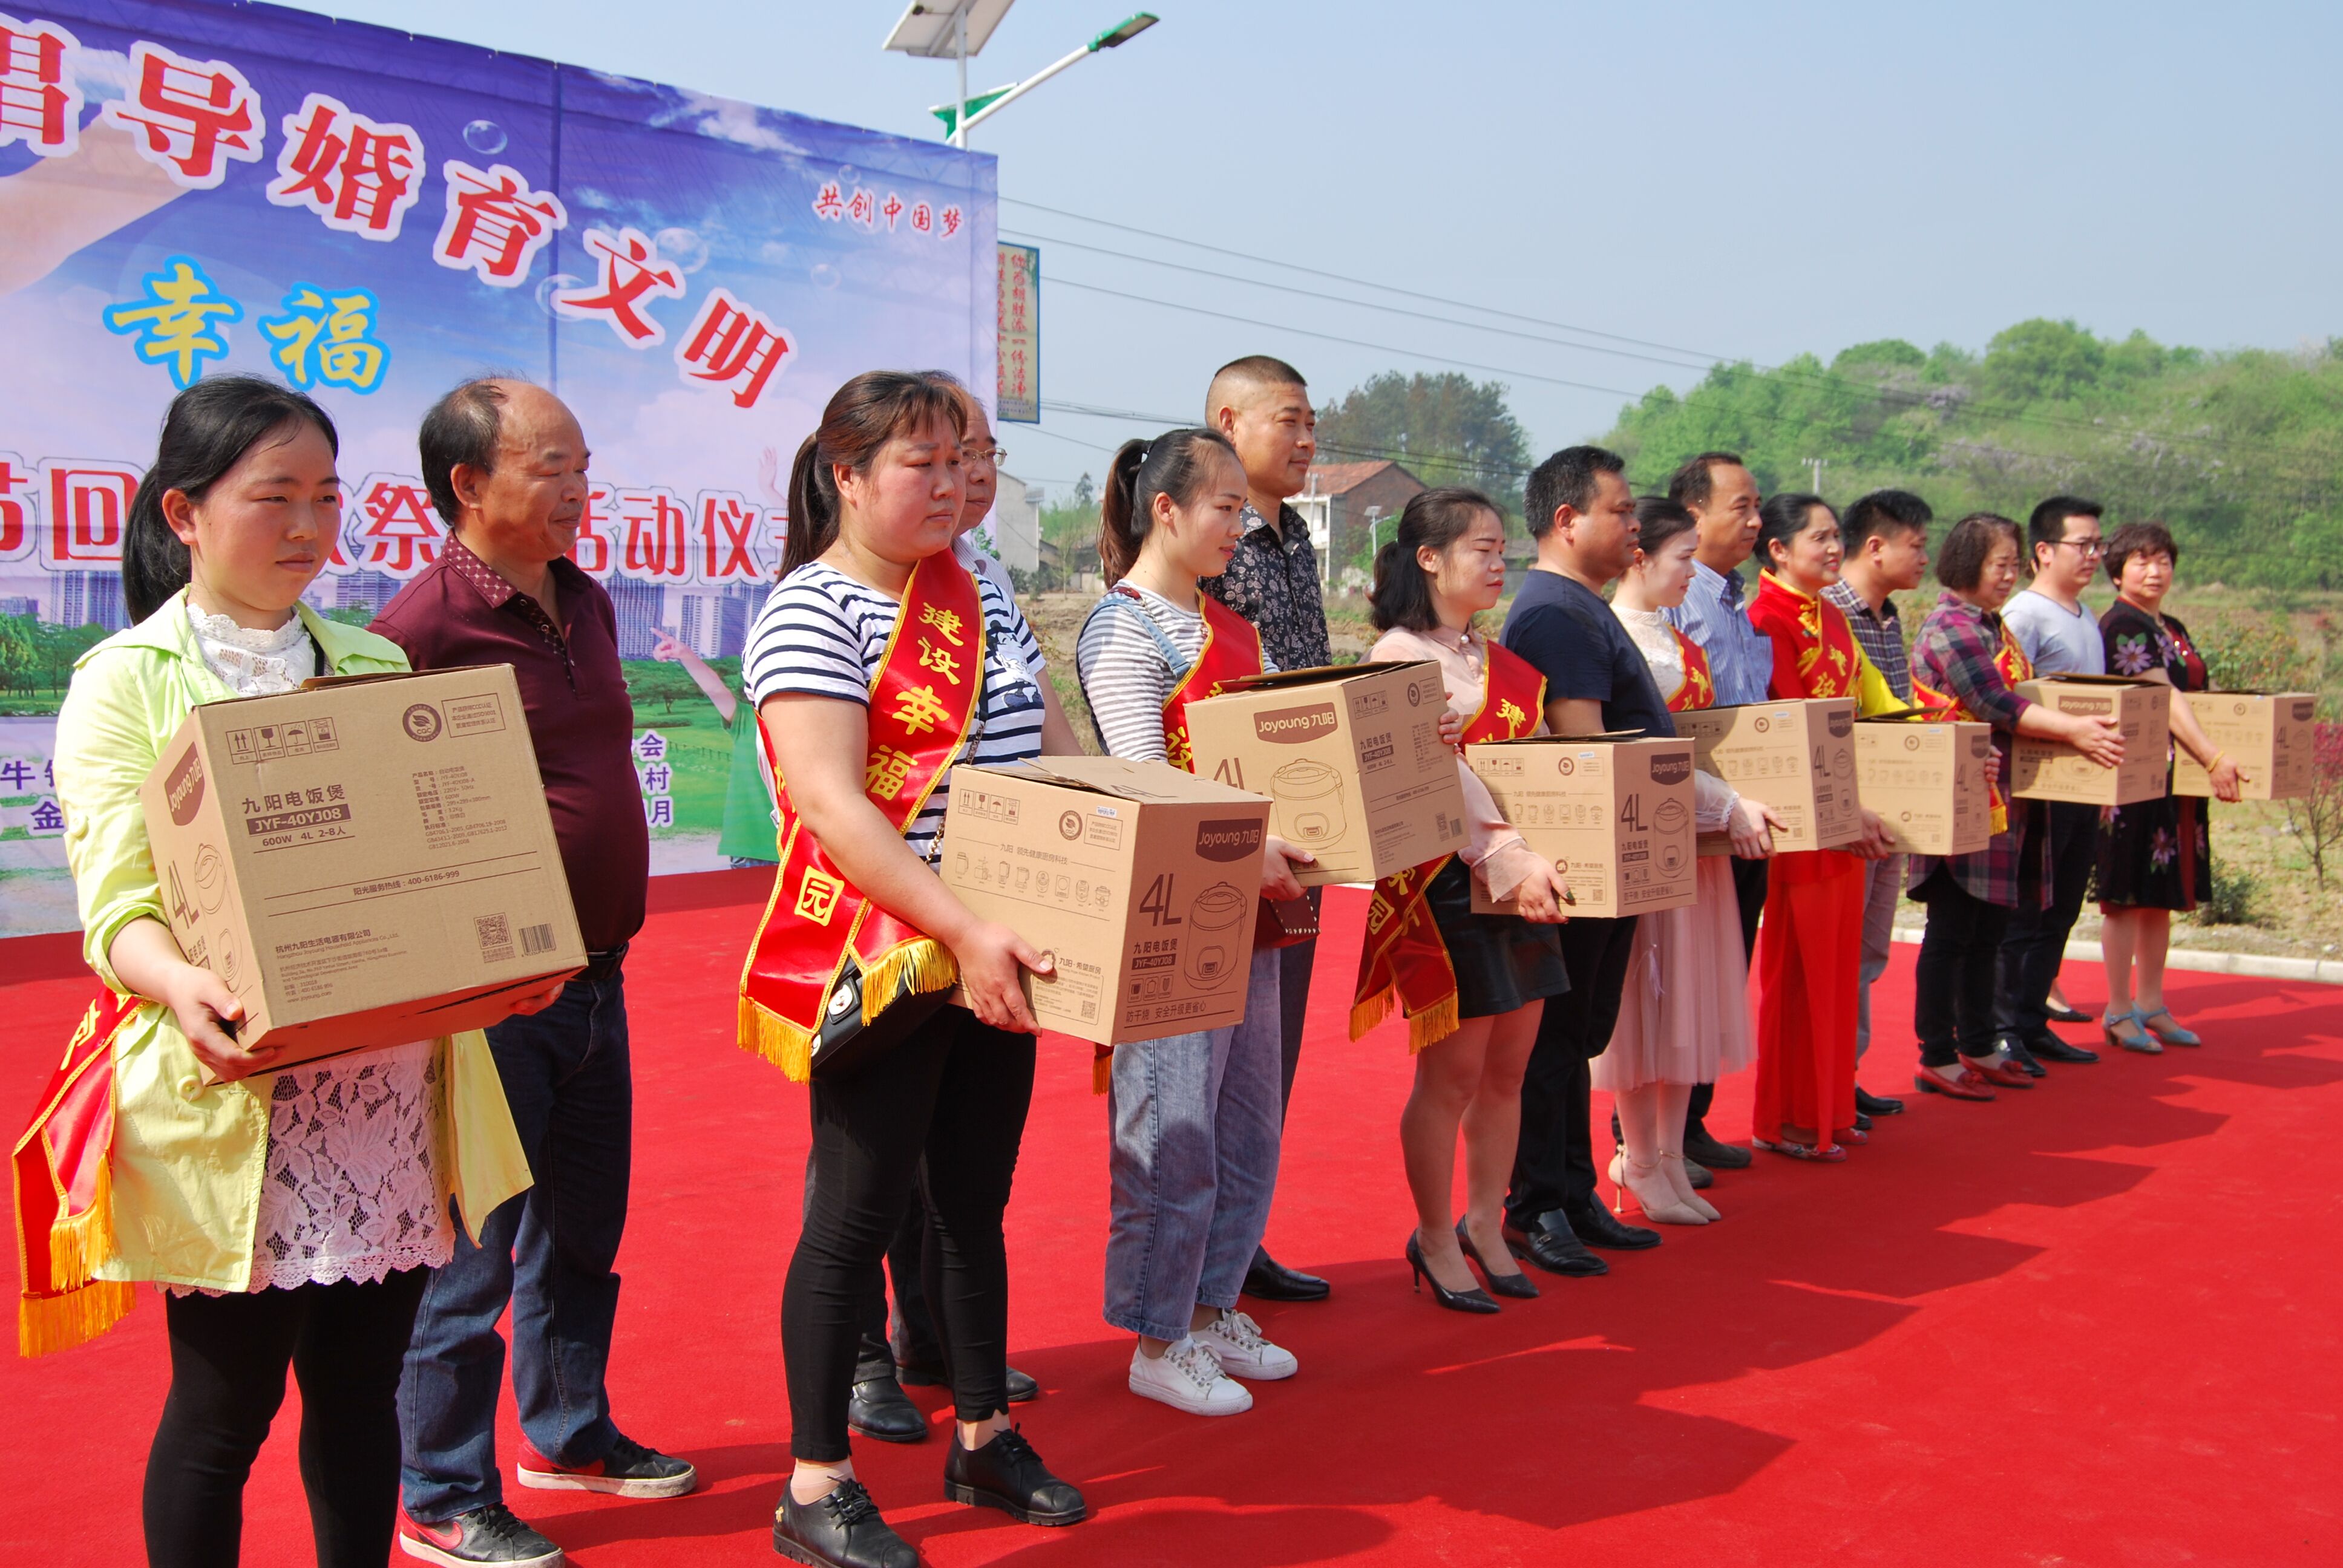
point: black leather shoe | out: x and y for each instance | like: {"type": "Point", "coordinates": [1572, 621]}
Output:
{"type": "Point", "coordinates": [2066, 1015]}
{"type": "Point", "coordinates": [2020, 1058]}
{"type": "Point", "coordinates": [1872, 1104]}
{"type": "Point", "coordinates": [1702, 1145]}
{"type": "Point", "coordinates": [1023, 1388]}
{"type": "Point", "coordinates": [1861, 1122]}
{"type": "Point", "coordinates": [879, 1408]}
{"type": "Point", "coordinates": [1554, 1246]}
{"type": "Point", "coordinates": [1271, 1280]}
{"type": "Point", "coordinates": [1007, 1474]}
{"type": "Point", "coordinates": [842, 1530]}
{"type": "Point", "coordinates": [1596, 1228]}
{"type": "Point", "coordinates": [2048, 1046]}
{"type": "Point", "coordinates": [1699, 1175]}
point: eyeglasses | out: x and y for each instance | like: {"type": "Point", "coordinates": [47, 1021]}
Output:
{"type": "Point", "coordinates": [2088, 546]}
{"type": "Point", "coordinates": [996, 456]}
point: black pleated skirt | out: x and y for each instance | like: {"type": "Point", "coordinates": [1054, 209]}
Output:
{"type": "Point", "coordinates": [1502, 962]}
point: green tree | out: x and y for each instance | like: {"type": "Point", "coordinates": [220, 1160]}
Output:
{"type": "Point", "coordinates": [1446, 429]}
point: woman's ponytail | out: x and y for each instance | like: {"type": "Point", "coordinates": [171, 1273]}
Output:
{"type": "Point", "coordinates": [1122, 526]}
{"type": "Point", "coordinates": [813, 509]}
{"type": "Point", "coordinates": [1433, 521]}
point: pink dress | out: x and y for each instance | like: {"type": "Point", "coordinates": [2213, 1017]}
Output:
{"type": "Point", "coordinates": [1683, 1016]}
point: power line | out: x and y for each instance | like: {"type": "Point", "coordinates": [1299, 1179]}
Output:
{"type": "Point", "coordinates": [1969, 408]}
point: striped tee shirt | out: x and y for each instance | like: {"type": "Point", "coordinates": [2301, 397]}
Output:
{"type": "Point", "coordinates": [823, 634]}
{"type": "Point", "coordinates": [1125, 676]}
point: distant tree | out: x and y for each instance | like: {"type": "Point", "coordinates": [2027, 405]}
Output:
{"type": "Point", "coordinates": [1446, 429]}
{"type": "Point", "coordinates": [1085, 493]}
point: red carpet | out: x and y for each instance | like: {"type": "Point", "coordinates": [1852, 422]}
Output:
{"type": "Point", "coordinates": [2091, 1325]}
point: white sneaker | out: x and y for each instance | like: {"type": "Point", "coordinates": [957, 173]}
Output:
{"type": "Point", "coordinates": [1186, 1377]}
{"type": "Point", "coordinates": [1236, 1342]}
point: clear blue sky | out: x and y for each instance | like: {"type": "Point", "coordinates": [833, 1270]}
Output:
{"type": "Point", "coordinates": [1738, 180]}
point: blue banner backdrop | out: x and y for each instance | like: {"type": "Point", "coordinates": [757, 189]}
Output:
{"type": "Point", "coordinates": [373, 216]}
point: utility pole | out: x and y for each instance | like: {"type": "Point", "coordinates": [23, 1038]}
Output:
{"type": "Point", "coordinates": [1817, 464]}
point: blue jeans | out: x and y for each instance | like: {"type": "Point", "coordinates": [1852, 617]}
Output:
{"type": "Point", "coordinates": [548, 1252]}
{"type": "Point", "coordinates": [1194, 1118]}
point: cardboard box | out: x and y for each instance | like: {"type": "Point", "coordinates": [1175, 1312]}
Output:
{"type": "Point", "coordinates": [1350, 756]}
{"type": "Point", "coordinates": [1796, 757]}
{"type": "Point", "coordinates": [1926, 781]}
{"type": "Point", "coordinates": [1612, 812]}
{"type": "Point", "coordinates": [365, 861]}
{"type": "Point", "coordinates": [1142, 880]}
{"type": "Point", "coordinates": [2054, 770]}
{"type": "Point", "coordinates": [2269, 734]}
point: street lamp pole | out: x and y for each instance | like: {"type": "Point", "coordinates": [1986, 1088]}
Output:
{"type": "Point", "coordinates": [956, 29]}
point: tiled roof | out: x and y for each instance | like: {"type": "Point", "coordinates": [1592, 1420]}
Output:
{"type": "Point", "coordinates": [1338, 479]}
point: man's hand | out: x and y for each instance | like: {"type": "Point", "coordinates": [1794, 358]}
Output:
{"type": "Point", "coordinates": [538, 1000]}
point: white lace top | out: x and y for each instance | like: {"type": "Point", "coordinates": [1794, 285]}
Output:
{"type": "Point", "coordinates": [352, 1189]}
{"type": "Point", "coordinates": [1713, 798]}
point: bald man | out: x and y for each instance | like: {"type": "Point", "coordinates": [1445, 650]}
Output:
{"type": "Point", "coordinates": [505, 462]}
{"type": "Point", "coordinates": [1263, 405]}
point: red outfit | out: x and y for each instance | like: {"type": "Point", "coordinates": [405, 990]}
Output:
{"type": "Point", "coordinates": [1807, 965]}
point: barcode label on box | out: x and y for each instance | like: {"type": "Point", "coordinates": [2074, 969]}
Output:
{"type": "Point", "coordinates": [495, 938]}
{"type": "Point", "coordinates": [536, 939]}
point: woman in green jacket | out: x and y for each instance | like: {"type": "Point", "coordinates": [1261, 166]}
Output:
{"type": "Point", "coordinates": [291, 1215]}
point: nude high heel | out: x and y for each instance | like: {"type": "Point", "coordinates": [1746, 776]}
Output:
{"type": "Point", "coordinates": [1654, 1194]}
{"type": "Point", "coordinates": [1672, 1166]}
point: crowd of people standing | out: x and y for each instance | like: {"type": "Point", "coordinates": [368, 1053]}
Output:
{"type": "Point", "coordinates": [367, 1220]}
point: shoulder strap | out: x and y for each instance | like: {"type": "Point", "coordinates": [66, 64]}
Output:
{"type": "Point", "coordinates": [1128, 603]}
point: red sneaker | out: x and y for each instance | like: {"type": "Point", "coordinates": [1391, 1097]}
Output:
{"type": "Point", "coordinates": [628, 1470]}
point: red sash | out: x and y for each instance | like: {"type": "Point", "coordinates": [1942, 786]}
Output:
{"type": "Point", "coordinates": [929, 682]}
{"type": "Point", "coordinates": [65, 1193]}
{"type": "Point", "coordinates": [1404, 962]}
{"type": "Point", "coordinates": [1944, 707]}
{"type": "Point", "coordinates": [1699, 688]}
{"type": "Point", "coordinates": [1828, 661]}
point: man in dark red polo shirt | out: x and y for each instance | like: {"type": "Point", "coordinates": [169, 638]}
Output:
{"type": "Point", "coordinates": [506, 465]}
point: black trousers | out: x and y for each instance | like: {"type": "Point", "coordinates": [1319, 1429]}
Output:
{"type": "Point", "coordinates": [1296, 965]}
{"type": "Point", "coordinates": [1749, 893]}
{"type": "Point", "coordinates": [2036, 943]}
{"type": "Point", "coordinates": [347, 1342]}
{"type": "Point", "coordinates": [1952, 1003]}
{"type": "Point", "coordinates": [939, 1115]}
{"type": "Point", "coordinates": [1554, 1165]}
{"type": "Point", "coordinates": [914, 1340]}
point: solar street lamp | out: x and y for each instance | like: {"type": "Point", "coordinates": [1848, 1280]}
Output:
{"type": "Point", "coordinates": [956, 29]}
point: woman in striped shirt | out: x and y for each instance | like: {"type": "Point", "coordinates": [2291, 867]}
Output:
{"type": "Point", "coordinates": [1195, 1117]}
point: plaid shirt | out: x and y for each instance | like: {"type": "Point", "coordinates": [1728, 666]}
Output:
{"type": "Point", "coordinates": [1881, 637]}
{"type": "Point", "coordinates": [1273, 582]}
{"type": "Point", "coordinates": [1953, 653]}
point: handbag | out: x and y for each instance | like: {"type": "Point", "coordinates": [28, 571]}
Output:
{"type": "Point", "coordinates": [847, 1042]}
{"type": "Point", "coordinates": [1284, 923]}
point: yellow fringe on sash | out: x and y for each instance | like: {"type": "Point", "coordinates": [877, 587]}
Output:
{"type": "Point", "coordinates": [914, 967]}
{"type": "Point", "coordinates": [1434, 1024]}
{"type": "Point", "coordinates": [1102, 1070]}
{"type": "Point", "coordinates": [46, 1324]}
{"type": "Point", "coordinates": [80, 1242]}
{"type": "Point", "coordinates": [784, 1044]}
{"type": "Point", "coordinates": [1365, 1015]}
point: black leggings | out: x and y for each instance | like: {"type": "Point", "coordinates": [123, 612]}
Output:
{"type": "Point", "coordinates": [956, 1093]}
{"type": "Point", "coordinates": [1953, 987]}
{"type": "Point", "coordinates": [347, 1344]}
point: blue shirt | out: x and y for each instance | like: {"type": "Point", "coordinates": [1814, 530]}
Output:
{"type": "Point", "coordinates": [1714, 615]}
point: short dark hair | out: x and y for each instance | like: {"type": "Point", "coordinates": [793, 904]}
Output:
{"type": "Point", "coordinates": [1401, 595]}
{"type": "Point", "coordinates": [2147, 538]}
{"type": "Point", "coordinates": [1567, 479]}
{"type": "Point", "coordinates": [463, 426]}
{"type": "Point", "coordinates": [2048, 524]}
{"type": "Point", "coordinates": [1691, 483]}
{"type": "Point", "coordinates": [1960, 561]}
{"type": "Point", "coordinates": [1263, 370]}
{"type": "Point", "coordinates": [1659, 519]}
{"type": "Point", "coordinates": [209, 430]}
{"type": "Point", "coordinates": [1882, 514]}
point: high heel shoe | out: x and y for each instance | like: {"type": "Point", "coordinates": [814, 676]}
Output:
{"type": "Point", "coordinates": [1516, 1284]}
{"type": "Point", "coordinates": [1655, 1193]}
{"type": "Point", "coordinates": [1681, 1180]}
{"type": "Point", "coordinates": [1472, 1300]}
{"type": "Point", "coordinates": [2175, 1035]}
{"type": "Point", "coordinates": [2145, 1043]}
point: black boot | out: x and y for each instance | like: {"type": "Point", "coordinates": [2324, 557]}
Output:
{"type": "Point", "coordinates": [1007, 1474]}
{"type": "Point", "coordinates": [842, 1530]}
